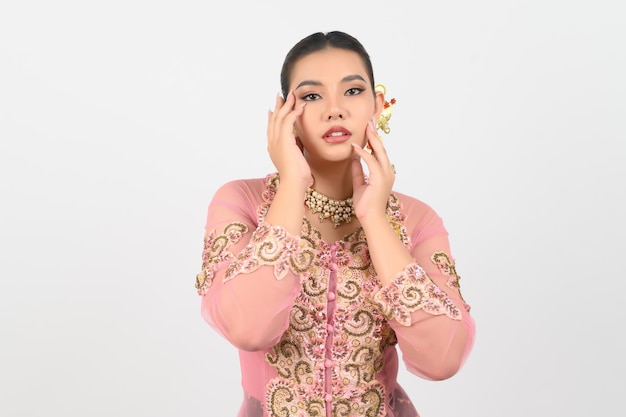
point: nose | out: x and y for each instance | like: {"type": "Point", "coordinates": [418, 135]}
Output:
{"type": "Point", "coordinates": [335, 111]}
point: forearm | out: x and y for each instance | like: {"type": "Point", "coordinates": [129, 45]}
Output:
{"type": "Point", "coordinates": [430, 318]}
{"type": "Point", "coordinates": [287, 209]}
{"type": "Point", "coordinates": [252, 311]}
{"type": "Point", "coordinates": [435, 347]}
{"type": "Point", "coordinates": [387, 252]}
{"type": "Point", "coordinates": [248, 296]}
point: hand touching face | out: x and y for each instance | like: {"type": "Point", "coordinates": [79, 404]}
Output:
{"type": "Point", "coordinates": [339, 103]}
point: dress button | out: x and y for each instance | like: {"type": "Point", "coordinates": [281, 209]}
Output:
{"type": "Point", "coordinates": [331, 296]}
{"type": "Point", "coordinates": [333, 266]}
{"type": "Point", "coordinates": [329, 398]}
{"type": "Point", "coordinates": [328, 363]}
{"type": "Point", "coordinates": [330, 328]}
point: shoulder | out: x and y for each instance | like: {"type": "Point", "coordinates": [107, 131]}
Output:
{"type": "Point", "coordinates": [412, 205]}
{"type": "Point", "coordinates": [248, 186]}
{"type": "Point", "coordinates": [420, 219]}
{"type": "Point", "coordinates": [239, 199]}
{"type": "Point", "coordinates": [244, 194]}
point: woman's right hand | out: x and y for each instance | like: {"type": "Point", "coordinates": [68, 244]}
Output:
{"type": "Point", "coordinates": [284, 148]}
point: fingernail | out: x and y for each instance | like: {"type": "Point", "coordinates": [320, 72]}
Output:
{"type": "Point", "coordinates": [371, 125]}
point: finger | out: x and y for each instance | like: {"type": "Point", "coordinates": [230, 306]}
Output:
{"type": "Point", "coordinates": [370, 161]}
{"type": "Point", "coordinates": [378, 148]}
{"type": "Point", "coordinates": [374, 165]}
{"type": "Point", "coordinates": [287, 124]}
{"type": "Point", "coordinates": [271, 122]}
{"type": "Point", "coordinates": [358, 175]}
{"type": "Point", "coordinates": [284, 106]}
{"type": "Point", "coordinates": [286, 115]}
{"type": "Point", "coordinates": [279, 104]}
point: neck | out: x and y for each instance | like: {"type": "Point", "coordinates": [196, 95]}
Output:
{"type": "Point", "coordinates": [333, 180]}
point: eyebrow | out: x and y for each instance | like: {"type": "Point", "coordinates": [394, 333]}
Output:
{"type": "Point", "coordinates": [345, 79]}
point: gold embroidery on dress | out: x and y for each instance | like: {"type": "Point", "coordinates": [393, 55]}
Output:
{"type": "Point", "coordinates": [360, 333]}
{"type": "Point", "coordinates": [396, 218]}
{"type": "Point", "coordinates": [412, 290]}
{"type": "Point", "coordinates": [215, 252]}
{"type": "Point", "coordinates": [447, 267]}
{"type": "Point", "coordinates": [272, 245]}
{"type": "Point", "coordinates": [360, 337]}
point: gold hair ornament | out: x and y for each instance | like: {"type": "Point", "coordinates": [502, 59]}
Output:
{"type": "Point", "coordinates": [385, 115]}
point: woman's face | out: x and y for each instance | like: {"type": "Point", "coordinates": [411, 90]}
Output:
{"type": "Point", "coordinates": [340, 102]}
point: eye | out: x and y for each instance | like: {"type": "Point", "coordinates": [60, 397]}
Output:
{"type": "Point", "coordinates": [310, 97]}
{"type": "Point", "coordinates": [354, 91]}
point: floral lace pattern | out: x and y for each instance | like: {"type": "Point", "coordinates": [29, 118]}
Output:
{"type": "Point", "coordinates": [215, 252]}
{"type": "Point", "coordinates": [271, 245]}
{"type": "Point", "coordinates": [396, 218]}
{"type": "Point", "coordinates": [357, 340]}
{"type": "Point", "coordinates": [334, 348]}
{"type": "Point", "coordinates": [412, 290]}
{"type": "Point", "coordinates": [447, 267]}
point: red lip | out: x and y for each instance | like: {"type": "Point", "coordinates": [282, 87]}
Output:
{"type": "Point", "coordinates": [336, 138]}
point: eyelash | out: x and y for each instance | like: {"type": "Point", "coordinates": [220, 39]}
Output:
{"type": "Point", "coordinates": [354, 91]}
{"type": "Point", "coordinates": [310, 96]}
{"type": "Point", "coordinates": [358, 90]}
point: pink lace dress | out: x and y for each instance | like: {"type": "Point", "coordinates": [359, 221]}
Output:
{"type": "Point", "coordinates": [317, 333]}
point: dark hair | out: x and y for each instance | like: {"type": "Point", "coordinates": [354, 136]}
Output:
{"type": "Point", "coordinates": [317, 42]}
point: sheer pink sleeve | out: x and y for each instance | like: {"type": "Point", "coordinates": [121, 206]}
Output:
{"type": "Point", "coordinates": [250, 273]}
{"type": "Point", "coordinates": [424, 306]}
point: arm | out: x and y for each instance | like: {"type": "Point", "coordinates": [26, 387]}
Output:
{"type": "Point", "coordinates": [418, 297]}
{"type": "Point", "coordinates": [250, 274]}
{"type": "Point", "coordinates": [424, 306]}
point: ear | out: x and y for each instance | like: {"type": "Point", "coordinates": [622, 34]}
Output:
{"type": "Point", "coordinates": [379, 98]}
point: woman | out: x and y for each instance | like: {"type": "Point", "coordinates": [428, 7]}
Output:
{"type": "Point", "coordinates": [318, 273]}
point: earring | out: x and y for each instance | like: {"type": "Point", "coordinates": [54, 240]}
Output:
{"type": "Point", "coordinates": [385, 115]}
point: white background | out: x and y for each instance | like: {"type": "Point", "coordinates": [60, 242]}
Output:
{"type": "Point", "coordinates": [119, 119]}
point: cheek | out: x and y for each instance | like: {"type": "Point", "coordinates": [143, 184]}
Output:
{"type": "Point", "coordinates": [306, 122]}
{"type": "Point", "coordinates": [366, 112]}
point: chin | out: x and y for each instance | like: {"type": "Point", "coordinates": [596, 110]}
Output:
{"type": "Point", "coordinates": [338, 155]}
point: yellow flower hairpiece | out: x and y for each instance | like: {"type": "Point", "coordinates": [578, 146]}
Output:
{"type": "Point", "coordinates": [385, 115]}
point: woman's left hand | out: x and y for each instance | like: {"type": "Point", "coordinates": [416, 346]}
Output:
{"type": "Point", "coordinates": [370, 196]}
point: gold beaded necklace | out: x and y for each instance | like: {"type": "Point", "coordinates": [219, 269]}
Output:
{"type": "Point", "coordinates": [337, 211]}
